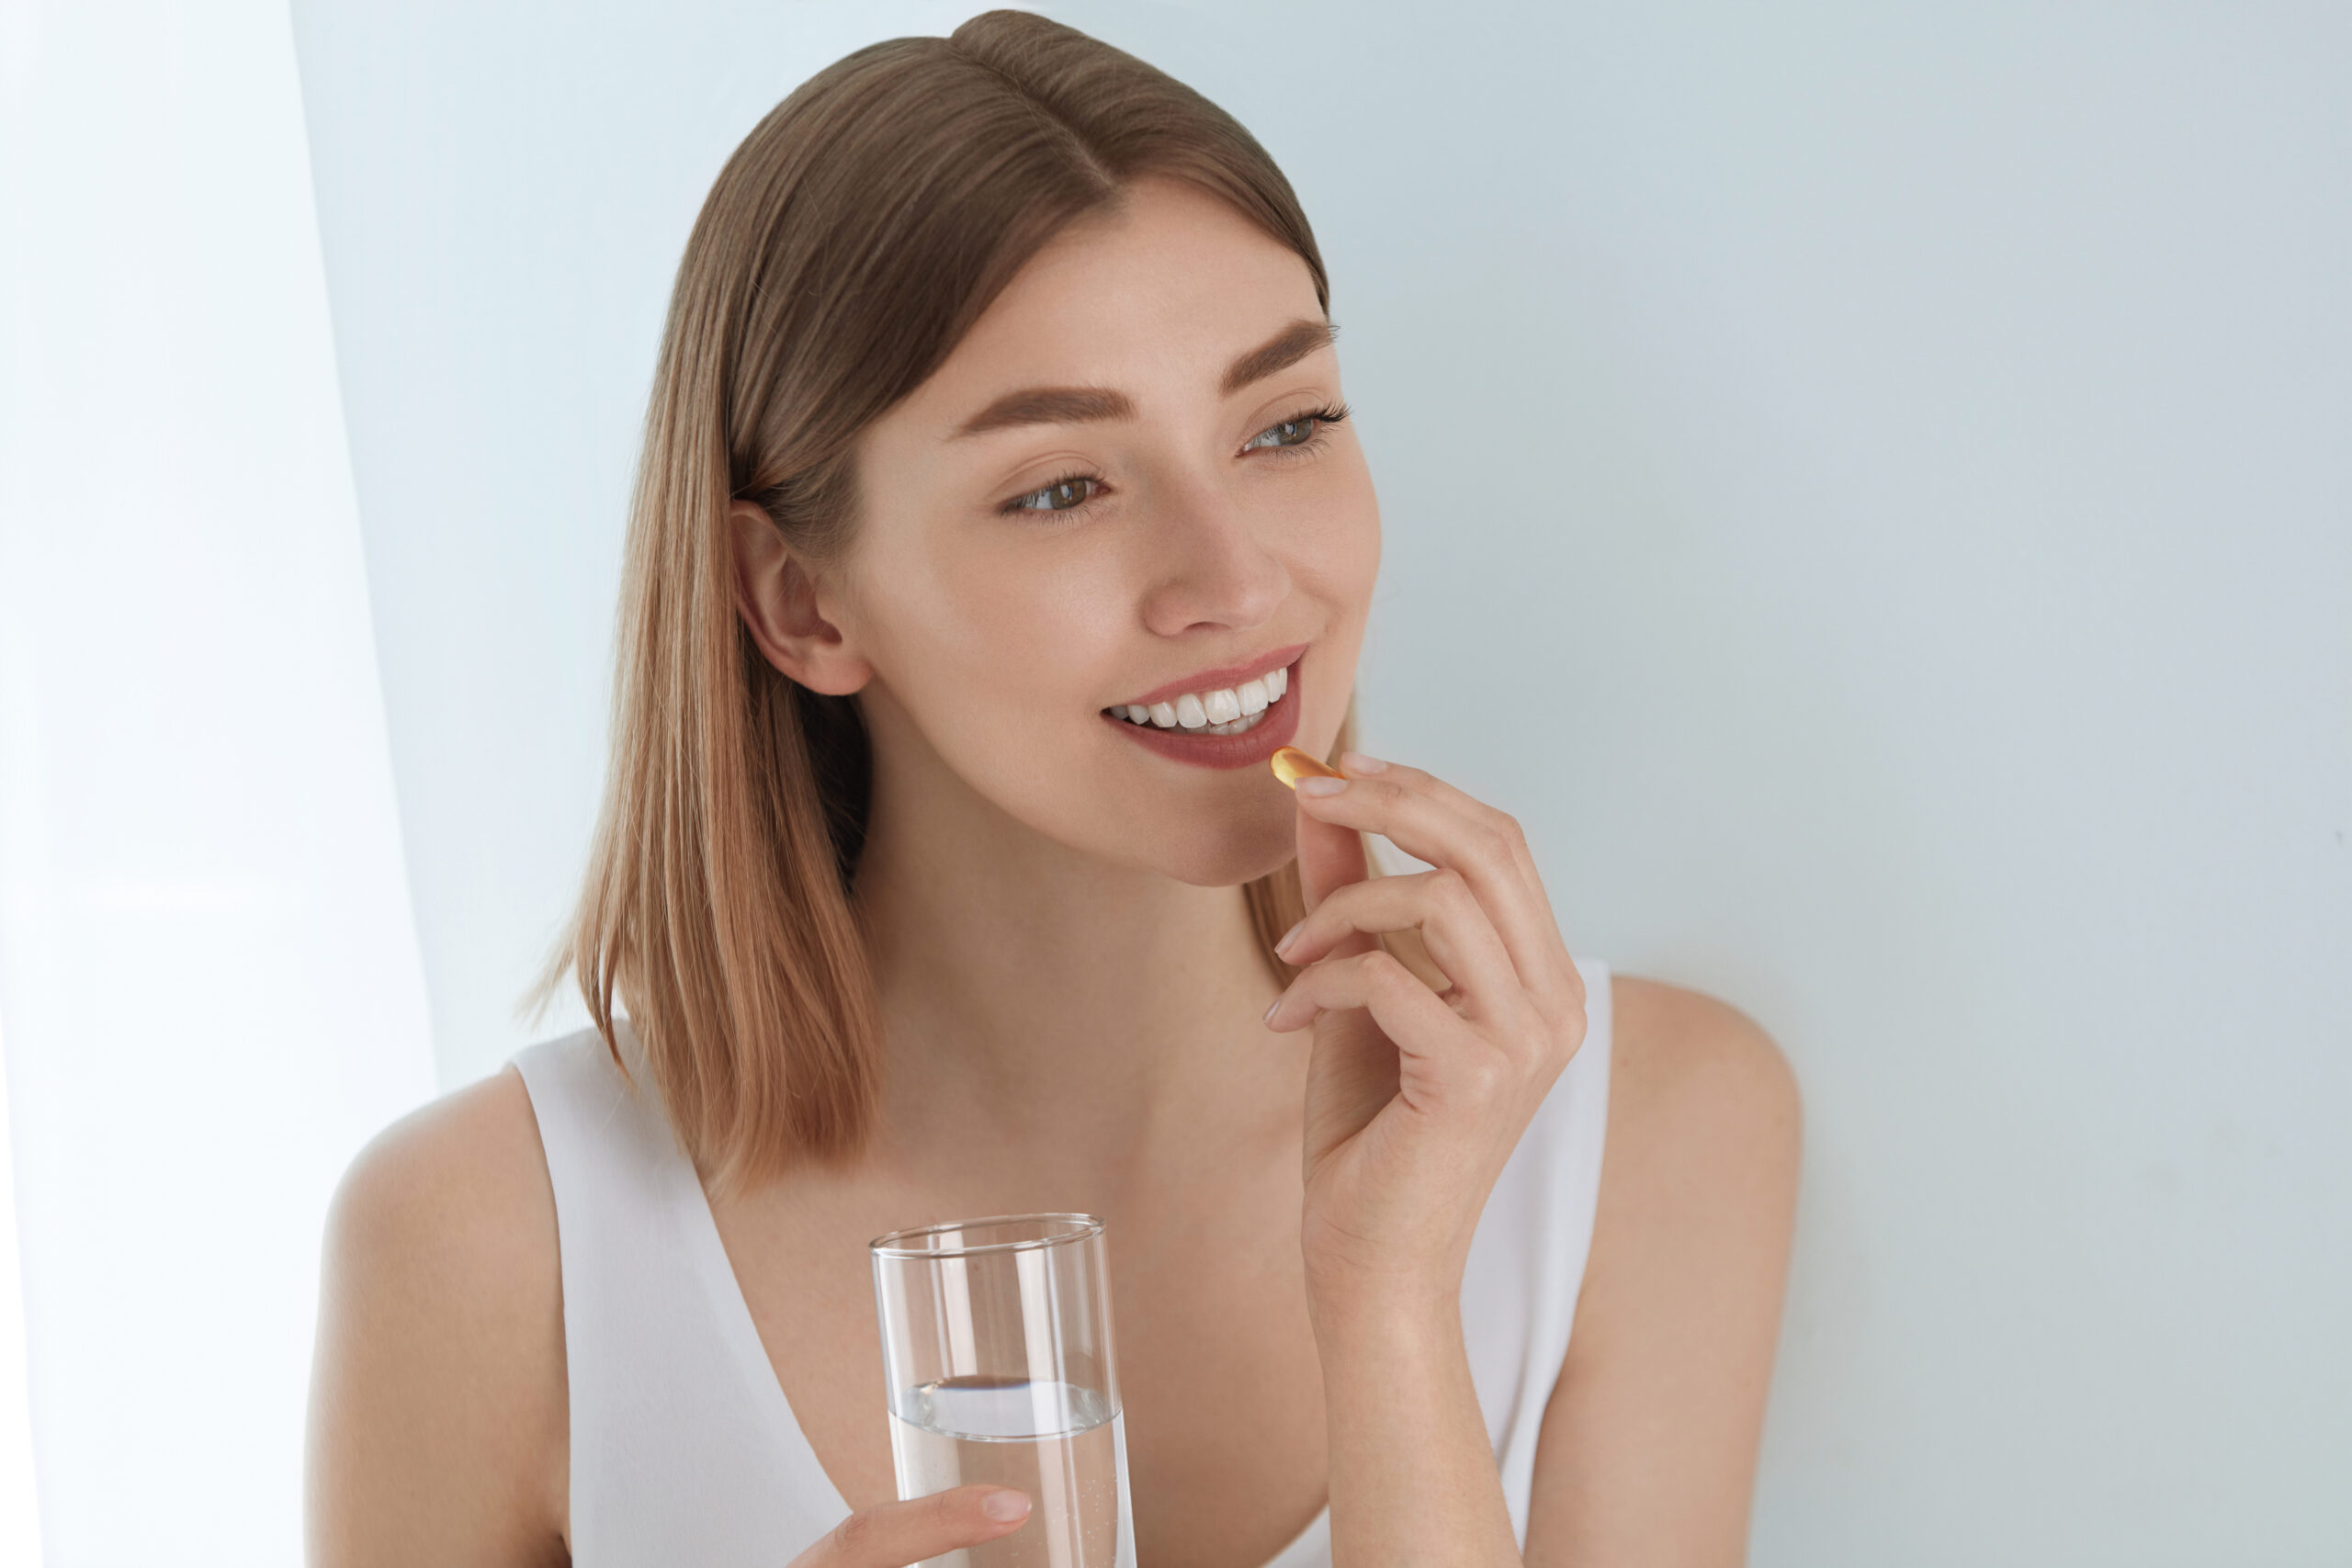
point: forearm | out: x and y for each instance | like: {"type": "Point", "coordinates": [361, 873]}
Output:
{"type": "Point", "coordinates": [1413, 1479]}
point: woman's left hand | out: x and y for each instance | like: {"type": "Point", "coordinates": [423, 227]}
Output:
{"type": "Point", "coordinates": [1416, 1098]}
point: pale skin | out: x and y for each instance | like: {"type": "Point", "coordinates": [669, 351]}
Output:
{"type": "Point", "coordinates": [1076, 1017]}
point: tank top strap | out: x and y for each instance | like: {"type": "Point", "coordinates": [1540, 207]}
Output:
{"type": "Point", "coordinates": [684, 1449]}
{"type": "Point", "coordinates": [1525, 1272]}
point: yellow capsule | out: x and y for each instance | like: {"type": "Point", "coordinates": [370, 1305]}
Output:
{"type": "Point", "coordinates": [1290, 764]}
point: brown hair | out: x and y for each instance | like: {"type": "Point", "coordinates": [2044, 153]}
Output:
{"type": "Point", "coordinates": [846, 247]}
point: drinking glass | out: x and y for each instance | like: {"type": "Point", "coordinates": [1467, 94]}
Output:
{"type": "Point", "coordinates": [996, 1349]}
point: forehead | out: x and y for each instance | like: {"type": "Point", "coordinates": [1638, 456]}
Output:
{"type": "Point", "coordinates": [1155, 297]}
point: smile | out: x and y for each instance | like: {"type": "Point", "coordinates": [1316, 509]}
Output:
{"type": "Point", "coordinates": [1221, 710]}
{"type": "Point", "coordinates": [1232, 717]}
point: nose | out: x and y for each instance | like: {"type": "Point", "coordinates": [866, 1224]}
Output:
{"type": "Point", "coordinates": [1211, 569]}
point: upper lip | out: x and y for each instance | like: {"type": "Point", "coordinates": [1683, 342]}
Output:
{"type": "Point", "coordinates": [1215, 680]}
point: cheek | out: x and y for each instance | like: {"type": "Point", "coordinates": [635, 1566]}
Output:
{"type": "Point", "coordinates": [1335, 553]}
{"type": "Point", "coordinates": [1336, 562]}
{"type": "Point", "coordinates": [1336, 540]}
{"type": "Point", "coordinates": [995, 637]}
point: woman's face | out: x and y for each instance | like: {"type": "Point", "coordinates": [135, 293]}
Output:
{"type": "Point", "coordinates": [1121, 492]}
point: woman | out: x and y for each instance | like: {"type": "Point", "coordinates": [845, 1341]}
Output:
{"type": "Point", "coordinates": [998, 516]}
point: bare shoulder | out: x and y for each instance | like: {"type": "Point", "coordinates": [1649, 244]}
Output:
{"type": "Point", "coordinates": [437, 1407]}
{"type": "Point", "coordinates": [1647, 1453]}
{"type": "Point", "coordinates": [1696, 1072]}
{"type": "Point", "coordinates": [461, 1182]}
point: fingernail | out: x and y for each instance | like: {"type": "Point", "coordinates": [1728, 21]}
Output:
{"type": "Point", "coordinates": [1272, 1010]}
{"type": "Point", "coordinates": [1005, 1506]}
{"type": "Point", "coordinates": [1357, 762]}
{"type": "Point", "coordinates": [1288, 937]}
{"type": "Point", "coordinates": [1321, 786]}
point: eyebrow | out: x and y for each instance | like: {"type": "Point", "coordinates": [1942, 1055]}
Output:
{"type": "Point", "coordinates": [1084, 405]}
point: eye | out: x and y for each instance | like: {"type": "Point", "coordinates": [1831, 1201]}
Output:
{"type": "Point", "coordinates": [1073, 492]}
{"type": "Point", "coordinates": [1299, 430]}
{"type": "Point", "coordinates": [1065, 494]}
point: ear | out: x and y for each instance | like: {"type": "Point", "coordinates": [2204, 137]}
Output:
{"type": "Point", "coordinates": [784, 608]}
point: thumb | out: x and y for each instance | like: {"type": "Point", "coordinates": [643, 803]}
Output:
{"type": "Point", "coordinates": [1330, 857]}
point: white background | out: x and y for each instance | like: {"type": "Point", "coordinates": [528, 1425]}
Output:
{"type": "Point", "coordinates": [1867, 486]}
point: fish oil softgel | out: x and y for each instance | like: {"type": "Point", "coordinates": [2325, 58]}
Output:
{"type": "Point", "coordinates": [1290, 764]}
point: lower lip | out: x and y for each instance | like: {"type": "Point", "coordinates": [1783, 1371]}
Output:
{"type": "Point", "coordinates": [1245, 750]}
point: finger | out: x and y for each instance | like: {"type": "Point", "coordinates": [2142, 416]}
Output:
{"type": "Point", "coordinates": [1420, 781]}
{"type": "Point", "coordinates": [1510, 834]}
{"type": "Point", "coordinates": [1431, 829]}
{"type": "Point", "coordinates": [1461, 940]}
{"type": "Point", "coordinates": [894, 1535]}
{"type": "Point", "coordinates": [1504, 829]}
{"type": "Point", "coordinates": [1330, 857]}
{"type": "Point", "coordinates": [1408, 1012]}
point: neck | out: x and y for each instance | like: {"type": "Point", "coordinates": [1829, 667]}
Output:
{"type": "Point", "coordinates": [1043, 1002]}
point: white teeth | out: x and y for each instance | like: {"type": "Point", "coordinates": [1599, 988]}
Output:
{"type": "Point", "coordinates": [1229, 710]}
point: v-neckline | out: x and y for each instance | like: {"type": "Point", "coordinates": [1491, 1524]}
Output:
{"type": "Point", "coordinates": [724, 1291]}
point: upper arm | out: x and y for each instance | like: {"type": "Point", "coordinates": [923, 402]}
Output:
{"type": "Point", "coordinates": [1647, 1454]}
{"type": "Point", "coordinates": [437, 1401]}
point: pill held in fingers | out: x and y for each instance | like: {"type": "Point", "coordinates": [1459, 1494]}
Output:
{"type": "Point", "coordinates": [1290, 764]}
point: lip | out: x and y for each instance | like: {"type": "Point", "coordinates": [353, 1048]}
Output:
{"type": "Point", "coordinates": [1211, 680]}
{"type": "Point", "coordinates": [1202, 749]}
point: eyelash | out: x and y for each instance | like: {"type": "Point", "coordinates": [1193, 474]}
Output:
{"type": "Point", "coordinates": [1323, 417]}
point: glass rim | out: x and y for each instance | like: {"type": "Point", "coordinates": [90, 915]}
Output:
{"type": "Point", "coordinates": [891, 1242]}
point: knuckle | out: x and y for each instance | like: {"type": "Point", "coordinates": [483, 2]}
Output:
{"type": "Point", "coordinates": [1384, 971]}
{"type": "Point", "coordinates": [1461, 898]}
{"type": "Point", "coordinates": [854, 1537]}
{"type": "Point", "coordinates": [1486, 1073]}
{"type": "Point", "coordinates": [1493, 841]}
{"type": "Point", "coordinates": [1562, 1037]}
{"type": "Point", "coordinates": [1522, 1041]}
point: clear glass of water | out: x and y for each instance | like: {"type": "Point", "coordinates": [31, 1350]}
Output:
{"type": "Point", "coordinates": [996, 1345]}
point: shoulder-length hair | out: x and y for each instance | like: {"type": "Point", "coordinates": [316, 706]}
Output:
{"type": "Point", "coordinates": [846, 247]}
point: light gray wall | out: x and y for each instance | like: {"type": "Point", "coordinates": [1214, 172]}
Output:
{"type": "Point", "coordinates": [1868, 485]}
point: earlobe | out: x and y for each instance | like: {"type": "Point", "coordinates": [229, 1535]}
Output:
{"type": "Point", "coordinates": [777, 599]}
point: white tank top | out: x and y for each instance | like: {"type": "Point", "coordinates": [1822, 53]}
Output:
{"type": "Point", "coordinates": [683, 1448]}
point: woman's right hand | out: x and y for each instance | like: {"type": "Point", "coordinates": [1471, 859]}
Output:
{"type": "Point", "coordinates": [897, 1535]}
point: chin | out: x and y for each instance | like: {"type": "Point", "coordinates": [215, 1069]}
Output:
{"type": "Point", "coordinates": [1229, 854]}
